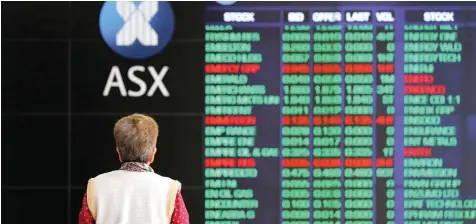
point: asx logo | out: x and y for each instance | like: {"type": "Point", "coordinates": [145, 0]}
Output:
{"type": "Point", "coordinates": [137, 31]}
{"type": "Point", "coordinates": [226, 2]}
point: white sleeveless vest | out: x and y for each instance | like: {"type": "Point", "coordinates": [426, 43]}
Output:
{"type": "Point", "coordinates": [127, 197]}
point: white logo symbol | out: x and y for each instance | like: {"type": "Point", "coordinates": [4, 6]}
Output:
{"type": "Point", "coordinates": [137, 23]}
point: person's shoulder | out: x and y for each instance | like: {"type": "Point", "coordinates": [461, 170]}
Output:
{"type": "Point", "coordinates": [92, 182]}
{"type": "Point", "coordinates": [174, 186]}
{"type": "Point", "coordinates": [164, 177]}
{"type": "Point", "coordinates": [167, 179]}
{"type": "Point", "coordinates": [104, 175]}
{"type": "Point", "coordinates": [110, 173]}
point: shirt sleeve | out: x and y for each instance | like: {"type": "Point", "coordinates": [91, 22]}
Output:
{"type": "Point", "coordinates": [180, 214]}
{"type": "Point", "coordinates": [85, 216]}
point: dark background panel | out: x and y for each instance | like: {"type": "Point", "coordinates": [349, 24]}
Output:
{"type": "Point", "coordinates": [39, 40]}
{"type": "Point", "coordinates": [194, 199]}
{"type": "Point", "coordinates": [76, 203]}
{"type": "Point", "coordinates": [34, 76]}
{"type": "Point", "coordinates": [179, 148]}
{"type": "Point", "coordinates": [34, 151]}
{"type": "Point", "coordinates": [35, 206]}
{"type": "Point", "coordinates": [35, 19]}
{"type": "Point", "coordinates": [92, 63]}
{"type": "Point", "coordinates": [188, 15]}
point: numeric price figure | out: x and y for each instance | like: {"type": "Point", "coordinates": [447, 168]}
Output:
{"type": "Point", "coordinates": [327, 121]}
{"type": "Point", "coordinates": [358, 129]}
{"type": "Point", "coordinates": [385, 132]}
{"type": "Point", "coordinates": [296, 131]}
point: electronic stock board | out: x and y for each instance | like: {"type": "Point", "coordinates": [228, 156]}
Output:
{"type": "Point", "coordinates": [328, 113]}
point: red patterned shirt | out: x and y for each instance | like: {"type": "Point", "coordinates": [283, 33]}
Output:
{"type": "Point", "coordinates": [179, 216]}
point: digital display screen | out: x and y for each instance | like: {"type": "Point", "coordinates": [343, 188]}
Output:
{"type": "Point", "coordinates": [330, 113]}
{"type": "Point", "coordinates": [269, 112]}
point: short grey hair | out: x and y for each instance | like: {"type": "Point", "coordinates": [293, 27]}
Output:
{"type": "Point", "coordinates": [136, 137]}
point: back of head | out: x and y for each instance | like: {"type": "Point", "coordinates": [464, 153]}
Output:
{"type": "Point", "coordinates": [134, 193]}
{"type": "Point", "coordinates": [136, 138]}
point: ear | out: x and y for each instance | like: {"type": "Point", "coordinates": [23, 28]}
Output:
{"type": "Point", "coordinates": [152, 156]}
{"type": "Point", "coordinates": [119, 154]}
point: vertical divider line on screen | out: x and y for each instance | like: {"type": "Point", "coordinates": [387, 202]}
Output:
{"type": "Point", "coordinates": [69, 206]}
{"type": "Point", "coordinates": [374, 115]}
{"type": "Point", "coordinates": [399, 109]}
{"type": "Point", "coordinates": [204, 116]}
{"type": "Point", "coordinates": [342, 118]}
{"type": "Point", "coordinates": [311, 120]}
{"type": "Point", "coordinates": [281, 104]}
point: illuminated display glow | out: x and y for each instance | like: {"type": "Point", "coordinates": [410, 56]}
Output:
{"type": "Point", "coordinates": [330, 116]}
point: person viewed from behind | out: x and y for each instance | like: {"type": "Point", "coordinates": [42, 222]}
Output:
{"type": "Point", "coordinates": [134, 194]}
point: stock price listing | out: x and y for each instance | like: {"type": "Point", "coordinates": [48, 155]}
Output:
{"type": "Point", "coordinates": [340, 113]}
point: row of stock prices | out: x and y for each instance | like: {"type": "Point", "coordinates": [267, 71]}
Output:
{"type": "Point", "coordinates": [336, 114]}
